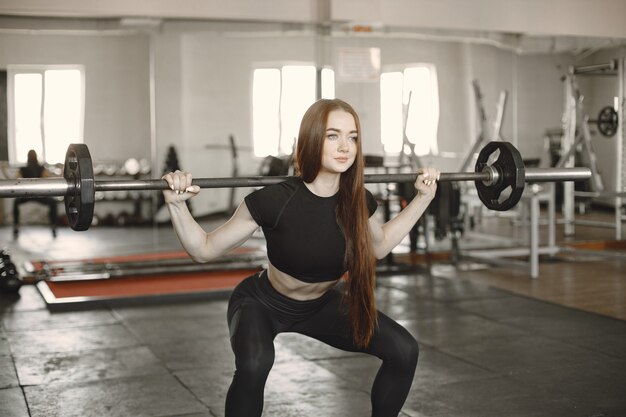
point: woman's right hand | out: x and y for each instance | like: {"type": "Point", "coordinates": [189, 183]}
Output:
{"type": "Point", "coordinates": [180, 187]}
{"type": "Point", "coordinates": [426, 182]}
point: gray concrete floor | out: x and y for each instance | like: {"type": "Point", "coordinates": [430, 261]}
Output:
{"type": "Point", "coordinates": [484, 352]}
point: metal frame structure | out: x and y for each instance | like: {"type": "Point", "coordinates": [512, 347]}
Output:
{"type": "Point", "coordinates": [534, 248]}
{"type": "Point", "coordinates": [575, 119]}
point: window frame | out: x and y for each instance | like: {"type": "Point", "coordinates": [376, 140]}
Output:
{"type": "Point", "coordinates": [273, 65]}
{"type": "Point", "coordinates": [12, 71]}
{"type": "Point", "coordinates": [401, 68]}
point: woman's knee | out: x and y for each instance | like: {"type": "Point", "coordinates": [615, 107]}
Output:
{"type": "Point", "coordinates": [409, 351]}
{"type": "Point", "coordinates": [252, 341]}
{"type": "Point", "coordinates": [399, 347]}
{"type": "Point", "coordinates": [256, 362]}
{"type": "Point", "coordinates": [403, 352]}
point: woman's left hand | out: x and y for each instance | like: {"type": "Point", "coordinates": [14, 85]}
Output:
{"type": "Point", "coordinates": [426, 182]}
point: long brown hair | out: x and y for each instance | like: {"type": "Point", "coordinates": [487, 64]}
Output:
{"type": "Point", "coordinates": [31, 159]}
{"type": "Point", "coordinates": [352, 215]}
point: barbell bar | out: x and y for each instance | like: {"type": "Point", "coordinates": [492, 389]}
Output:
{"type": "Point", "coordinates": [499, 167]}
{"type": "Point", "coordinates": [59, 187]}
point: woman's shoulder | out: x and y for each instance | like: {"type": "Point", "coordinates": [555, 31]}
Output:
{"type": "Point", "coordinates": [265, 204]}
{"type": "Point", "coordinates": [282, 189]}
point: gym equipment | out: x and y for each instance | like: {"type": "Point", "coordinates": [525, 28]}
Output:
{"type": "Point", "coordinates": [577, 134]}
{"type": "Point", "coordinates": [577, 141]}
{"type": "Point", "coordinates": [10, 282]}
{"type": "Point", "coordinates": [86, 271]}
{"type": "Point", "coordinates": [511, 165]}
{"type": "Point", "coordinates": [607, 121]}
{"type": "Point", "coordinates": [483, 135]}
{"type": "Point", "coordinates": [234, 154]}
{"type": "Point", "coordinates": [493, 179]}
{"type": "Point", "coordinates": [80, 196]}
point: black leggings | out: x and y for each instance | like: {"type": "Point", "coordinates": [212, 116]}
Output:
{"type": "Point", "coordinates": [257, 313]}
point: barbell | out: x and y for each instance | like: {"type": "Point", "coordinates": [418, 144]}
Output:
{"type": "Point", "coordinates": [499, 168]}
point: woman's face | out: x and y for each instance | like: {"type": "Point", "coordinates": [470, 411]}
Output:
{"type": "Point", "coordinates": [340, 142]}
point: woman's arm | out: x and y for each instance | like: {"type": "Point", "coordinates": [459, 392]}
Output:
{"type": "Point", "coordinates": [203, 246]}
{"type": "Point", "coordinates": [387, 236]}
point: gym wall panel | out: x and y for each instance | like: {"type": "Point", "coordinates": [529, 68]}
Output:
{"type": "Point", "coordinates": [203, 92]}
{"type": "Point", "coordinates": [553, 17]}
{"type": "Point", "coordinates": [453, 88]}
{"type": "Point", "coordinates": [203, 87]}
{"type": "Point", "coordinates": [493, 69]}
{"type": "Point", "coordinates": [540, 99]}
{"type": "Point", "coordinates": [168, 93]}
{"type": "Point", "coordinates": [558, 17]}
{"type": "Point", "coordinates": [534, 90]}
{"type": "Point", "coordinates": [116, 85]}
{"type": "Point", "coordinates": [120, 102]}
{"type": "Point", "coordinates": [270, 10]}
{"type": "Point", "coordinates": [117, 124]}
{"type": "Point", "coordinates": [216, 99]}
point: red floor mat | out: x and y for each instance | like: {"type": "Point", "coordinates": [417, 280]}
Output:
{"type": "Point", "coordinates": [150, 285]}
{"type": "Point", "coordinates": [135, 290]}
{"type": "Point", "coordinates": [136, 257]}
{"type": "Point", "coordinates": [177, 286]}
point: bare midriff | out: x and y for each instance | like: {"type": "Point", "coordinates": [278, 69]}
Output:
{"type": "Point", "coordinates": [294, 288]}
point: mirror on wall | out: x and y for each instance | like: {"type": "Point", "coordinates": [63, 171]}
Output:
{"type": "Point", "coordinates": [225, 94]}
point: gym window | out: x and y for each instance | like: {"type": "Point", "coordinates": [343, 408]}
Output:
{"type": "Point", "coordinates": [422, 114]}
{"type": "Point", "coordinates": [46, 110]}
{"type": "Point", "coordinates": [280, 96]}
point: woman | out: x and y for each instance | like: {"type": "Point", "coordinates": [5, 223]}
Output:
{"type": "Point", "coordinates": [318, 227]}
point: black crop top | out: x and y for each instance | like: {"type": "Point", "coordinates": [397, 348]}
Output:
{"type": "Point", "coordinates": [301, 230]}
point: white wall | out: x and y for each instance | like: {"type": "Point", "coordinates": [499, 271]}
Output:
{"type": "Point", "coordinates": [168, 92]}
{"type": "Point", "coordinates": [216, 80]}
{"type": "Point", "coordinates": [554, 17]}
{"type": "Point", "coordinates": [453, 87]}
{"type": "Point", "coordinates": [540, 99]}
{"type": "Point", "coordinates": [116, 84]}
{"type": "Point", "coordinates": [559, 17]}
{"type": "Point", "coordinates": [270, 10]}
{"type": "Point", "coordinates": [216, 101]}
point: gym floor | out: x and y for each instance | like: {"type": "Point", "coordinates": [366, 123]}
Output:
{"type": "Point", "coordinates": [493, 343]}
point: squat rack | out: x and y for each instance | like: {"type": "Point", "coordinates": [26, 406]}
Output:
{"type": "Point", "coordinates": [576, 119]}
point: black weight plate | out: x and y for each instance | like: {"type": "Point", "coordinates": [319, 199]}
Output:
{"type": "Point", "coordinates": [607, 121]}
{"type": "Point", "coordinates": [510, 167]}
{"type": "Point", "coordinates": [80, 198]}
